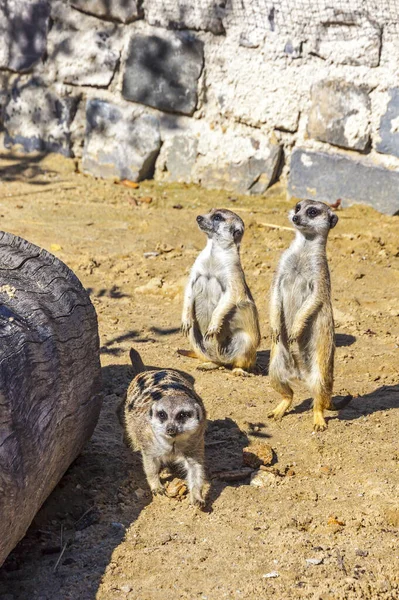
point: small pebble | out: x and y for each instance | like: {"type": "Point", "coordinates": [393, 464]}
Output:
{"type": "Point", "coordinates": [271, 575]}
{"type": "Point", "coordinates": [314, 561]}
{"type": "Point", "coordinates": [126, 588]}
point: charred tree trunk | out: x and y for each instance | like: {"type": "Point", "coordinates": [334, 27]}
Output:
{"type": "Point", "coordinates": [49, 379]}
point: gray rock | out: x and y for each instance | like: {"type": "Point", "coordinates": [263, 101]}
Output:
{"type": "Point", "coordinates": [237, 163]}
{"type": "Point", "coordinates": [23, 33]}
{"type": "Point", "coordinates": [348, 38]}
{"type": "Point", "coordinates": [38, 119]}
{"type": "Point", "coordinates": [177, 158]}
{"type": "Point", "coordinates": [83, 50]}
{"type": "Point", "coordinates": [124, 11]}
{"type": "Point", "coordinates": [206, 15]}
{"type": "Point", "coordinates": [327, 177]}
{"type": "Point", "coordinates": [162, 71]}
{"type": "Point", "coordinates": [340, 114]}
{"type": "Point", "coordinates": [119, 143]}
{"type": "Point", "coordinates": [389, 126]}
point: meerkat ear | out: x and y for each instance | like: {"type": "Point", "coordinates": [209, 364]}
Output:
{"type": "Point", "coordinates": [238, 232]}
{"type": "Point", "coordinates": [333, 220]}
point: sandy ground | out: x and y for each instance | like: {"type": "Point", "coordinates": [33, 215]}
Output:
{"type": "Point", "coordinates": [327, 526]}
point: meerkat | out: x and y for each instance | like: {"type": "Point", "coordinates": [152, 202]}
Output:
{"type": "Point", "coordinates": [219, 313]}
{"type": "Point", "coordinates": [301, 316]}
{"type": "Point", "coordinates": [165, 420]}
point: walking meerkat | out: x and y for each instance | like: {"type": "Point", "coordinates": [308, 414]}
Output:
{"type": "Point", "coordinates": [301, 315]}
{"type": "Point", "coordinates": [219, 313]}
{"type": "Point", "coordinates": [165, 419]}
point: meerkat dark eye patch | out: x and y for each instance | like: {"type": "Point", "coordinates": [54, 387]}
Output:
{"type": "Point", "coordinates": [297, 208]}
{"type": "Point", "coordinates": [217, 217]}
{"type": "Point", "coordinates": [183, 415]}
{"type": "Point", "coordinates": [162, 416]}
{"type": "Point", "coordinates": [312, 212]}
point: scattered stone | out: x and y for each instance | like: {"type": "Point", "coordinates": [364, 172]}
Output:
{"type": "Point", "coordinates": [39, 120]}
{"type": "Point", "coordinates": [314, 561]}
{"type": "Point", "coordinates": [23, 38]}
{"type": "Point", "coordinates": [206, 15]}
{"type": "Point", "coordinates": [348, 38]}
{"type": "Point", "coordinates": [162, 71]}
{"type": "Point", "coordinates": [151, 254]}
{"type": "Point", "coordinates": [325, 177]}
{"type": "Point", "coordinates": [82, 49]}
{"type": "Point", "coordinates": [176, 488]}
{"type": "Point", "coordinates": [340, 114]}
{"type": "Point", "coordinates": [112, 10]}
{"type": "Point", "coordinates": [271, 575]}
{"type": "Point", "coordinates": [361, 552]}
{"type": "Point", "coordinates": [263, 479]}
{"type": "Point", "coordinates": [119, 143]}
{"type": "Point", "coordinates": [235, 475]}
{"type": "Point", "coordinates": [140, 493]}
{"type": "Point", "coordinates": [177, 159]}
{"type": "Point", "coordinates": [389, 126]}
{"type": "Point", "coordinates": [152, 287]}
{"type": "Point", "coordinates": [257, 454]}
{"type": "Point", "coordinates": [126, 588]}
{"type": "Point", "coordinates": [118, 526]}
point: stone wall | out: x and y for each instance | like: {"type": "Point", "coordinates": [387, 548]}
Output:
{"type": "Point", "coordinates": [225, 93]}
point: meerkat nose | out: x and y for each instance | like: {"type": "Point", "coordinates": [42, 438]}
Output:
{"type": "Point", "coordinates": [295, 219]}
{"type": "Point", "coordinates": [200, 219]}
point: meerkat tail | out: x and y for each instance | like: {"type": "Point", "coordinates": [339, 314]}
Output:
{"type": "Point", "coordinates": [137, 363]}
{"type": "Point", "coordinates": [341, 403]}
{"type": "Point", "coordinates": [188, 353]}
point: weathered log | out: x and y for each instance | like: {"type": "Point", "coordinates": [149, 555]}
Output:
{"type": "Point", "coordinates": [49, 379]}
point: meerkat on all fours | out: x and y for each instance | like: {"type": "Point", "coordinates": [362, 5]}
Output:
{"type": "Point", "coordinates": [301, 316]}
{"type": "Point", "coordinates": [165, 419]}
{"type": "Point", "coordinates": [219, 313]}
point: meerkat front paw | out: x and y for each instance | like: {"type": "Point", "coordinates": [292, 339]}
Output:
{"type": "Point", "coordinates": [186, 327]}
{"type": "Point", "coordinates": [319, 423]}
{"type": "Point", "coordinates": [275, 336]}
{"type": "Point", "coordinates": [196, 499]}
{"type": "Point", "coordinates": [211, 332]}
{"type": "Point", "coordinates": [158, 490]}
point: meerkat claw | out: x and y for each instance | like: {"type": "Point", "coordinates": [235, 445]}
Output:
{"type": "Point", "coordinates": [240, 372]}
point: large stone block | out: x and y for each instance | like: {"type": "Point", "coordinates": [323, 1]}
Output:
{"type": "Point", "coordinates": [327, 177]}
{"type": "Point", "coordinates": [251, 90]}
{"type": "Point", "coordinates": [162, 71]}
{"type": "Point", "coordinates": [177, 158]}
{"type": "Point", "coordinates": [23, 33]}
{"type": "Point", "coordinates": [38, 119]}
{"type": "Point", "coordinates": [340, 114]}
{"type": "Point", "coordinates": [124, 11]}
{"type": "Point", "coordinates": [348, 38]}
{"type": "Point", "coordinates": [389, 126]}
{"type": "Point", "coordinates": [244, 164]}
{"type": "Point", "coordinates": [119, 143]}
{"type": "Point", "coordinates": [83, 50]}
{"type": "Point", "coordinates": [206, 15]}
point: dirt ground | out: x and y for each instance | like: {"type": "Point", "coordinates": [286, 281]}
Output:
{"type": "Point", "coordinates": [327, 526]}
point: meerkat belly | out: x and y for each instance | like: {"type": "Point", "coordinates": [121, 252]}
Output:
{"type": "Point", "coordinates": [295, 290]}
{"type": "Point", "coordinates": [207, 292]}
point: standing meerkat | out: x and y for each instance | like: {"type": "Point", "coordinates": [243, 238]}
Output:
{"type": "Point", "coordinates": [219, 313]}
{"type": "Point", "coordinates": [165, 419]}
{"type": "Point", "coordinates": [301, 315]}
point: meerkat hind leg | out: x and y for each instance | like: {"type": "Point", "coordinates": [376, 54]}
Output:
{"type": "Point", "coordinates": [195, 480]}
{"type": "Point", "coordinates": [208, 366]}
{"type": "Point", "coordinates": [278, 375]}
{"type": "Point", "coordinates": [321, 402]}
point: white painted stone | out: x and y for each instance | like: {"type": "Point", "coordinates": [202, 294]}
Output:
{"type": "Point", "coordinates": [206, 15]}
{"type": "Point", "coordinates": [124, 11]}
{"type": "Point", "coordinates": [82, 49]}
{"type": "Point", "coordinates": [23, 33]}
{"type": "Point", "coordinates": [37, 119]}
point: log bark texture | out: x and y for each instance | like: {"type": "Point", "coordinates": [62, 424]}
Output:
{"type": "Point", "coordinates": [49, 379]}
